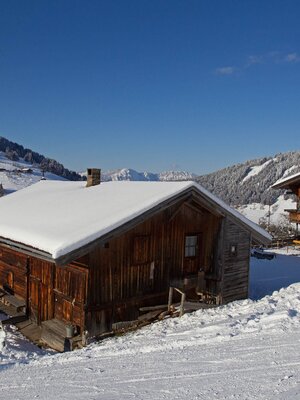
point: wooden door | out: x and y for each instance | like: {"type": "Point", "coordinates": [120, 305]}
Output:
{"type": "Point", "coordinates": [192, 254]}
{"type": "Point", "coordinates": [41, 291]}
{"type": "Point", "coordinates": [70, 294]}
{"type": "Point", "coordinates": [34, 299]}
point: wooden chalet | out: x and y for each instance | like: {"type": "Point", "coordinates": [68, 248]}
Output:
{"type": "Point", "coordinates": [80, 260]}
{"type": "Point", "coordinates": [292, 185]}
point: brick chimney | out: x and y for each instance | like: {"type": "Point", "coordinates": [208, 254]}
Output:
{"type": "Point", "coordinates": [93, 177]}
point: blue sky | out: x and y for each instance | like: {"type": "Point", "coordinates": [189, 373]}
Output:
{"type": "Point", "coordinates": [151, 84]}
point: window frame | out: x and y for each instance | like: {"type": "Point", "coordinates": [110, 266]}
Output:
{"type": "Point", "coordinates": [196, 246]}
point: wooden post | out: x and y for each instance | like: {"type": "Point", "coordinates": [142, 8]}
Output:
{"type": "Point", "coordinates": [182, 304]}
{"type": "Point", "coordinates": [170, 298]}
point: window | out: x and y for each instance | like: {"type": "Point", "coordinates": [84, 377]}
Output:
{"type": "Point", "coordinates": [141, 249]}
{"type": "Point", "coordinates": [233, 250]}
{"type": "Point", "coordinates": [191, 246]}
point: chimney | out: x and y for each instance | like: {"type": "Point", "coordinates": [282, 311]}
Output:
{"type": "Point", "coordinates": [93, 177]}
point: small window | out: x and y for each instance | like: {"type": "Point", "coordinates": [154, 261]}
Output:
{"type": "Point", "coordinates": [233, 250]}
{"type": "Point", "coordinates": [191, 245]}
{"type": "Point", "coordinates": [141, 249]}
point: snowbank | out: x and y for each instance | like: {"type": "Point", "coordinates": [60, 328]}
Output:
{"type": "Point", "coordinates": [2, 337]}
{"type": "Point", "coordinates": [267, 276]}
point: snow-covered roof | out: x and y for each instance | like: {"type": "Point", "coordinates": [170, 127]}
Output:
{"type": "Point", "coordinates": [59, 217]}
{"type": "Point", "coordinates": [283, 181]}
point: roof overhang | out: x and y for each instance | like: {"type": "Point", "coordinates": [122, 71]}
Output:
{"type": "Point", "coordinates": [25, 249]}
{"type": "Point", "coordinates": [287, 183]}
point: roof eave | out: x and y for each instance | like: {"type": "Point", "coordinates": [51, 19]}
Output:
{"type": "Point", "coordinates": [25, 249]}
{"type": "Point", "coordinates": [286, 183]}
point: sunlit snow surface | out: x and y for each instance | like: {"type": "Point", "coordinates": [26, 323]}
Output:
{"type": "Point", "coordinates": [256, 211]}
{"type": "Point", "coordinates": [255, 170]}
{"type": "Point", "coordinates": [13, 180]}
{"type": "Point", "coordinates": [248, 349]}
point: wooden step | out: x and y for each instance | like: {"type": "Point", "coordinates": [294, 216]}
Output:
{"type": "Point", "coordinates": [15, 320]}
{"type": "Point", "coordinates": [54, 335]}
{"type": "Point", "coordinates": [18, 304]}
{"type": "Point", "coordinates": [10, 310]}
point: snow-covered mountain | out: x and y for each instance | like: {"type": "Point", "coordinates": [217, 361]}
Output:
{"type": "Point", "coordinates": [16, 152]}
{"type": "Point", "coordinates": [251, 181]}
{"type": "Point", "coordinates": [15, 175]}
{"type": "Point", "coordinates": [247, 187]}
{"type": "Point", "coordinates": [129, 174]}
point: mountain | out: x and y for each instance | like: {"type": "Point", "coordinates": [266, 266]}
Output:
{"type": "Point", "coordinates": [15, 152]}
{"type": "Point", "coordinates": [15, 175]}
{"type": "Point", "coordinates": [247, 187]}
{"type": "Point", "coordinates": [251, 182]}
{"type": "Point", "coordinates": [128, 174]}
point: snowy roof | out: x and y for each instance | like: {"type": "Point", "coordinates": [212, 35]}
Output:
{"type": "Point", "coordinates": [58, 217]}
{"type": "Point", "coordinates": [285, 181]}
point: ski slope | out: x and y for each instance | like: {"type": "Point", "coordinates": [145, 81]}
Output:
{"type": "Point", "coordinates": [245, 350]}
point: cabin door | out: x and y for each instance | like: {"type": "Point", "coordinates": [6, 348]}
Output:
{"type": "Point", "coordinates": [70, 294]}
{"type": "Point", "coordinates": [192, 254]}
{"type": "Point", "coordinates": [41, 291]}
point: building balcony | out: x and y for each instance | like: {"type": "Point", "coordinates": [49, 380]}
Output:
{"type": "Point", "coordinates": [294, 216]}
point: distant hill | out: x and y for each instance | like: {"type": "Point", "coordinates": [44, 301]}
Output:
{"type": "Point", "coordinates": [251, 181]}
{"type": "Point", "coordinates": [16, 152]}
{"type": "Point", "coordinates": [15, 175]}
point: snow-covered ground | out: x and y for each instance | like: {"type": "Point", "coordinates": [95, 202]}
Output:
{"type": "Point", "coordinates": [12, 179]}
{"type": "Point", "coordinates": [245, 350]}
{"type": "Point", "coordinates": [255, 170]}
{"type": "Point", "coordinates": [256, 211]}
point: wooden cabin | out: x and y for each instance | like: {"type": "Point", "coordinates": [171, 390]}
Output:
{"type": "Point", "coordinates": [91, 257]}
{"type": "Point", "coordinates": [292, 185]}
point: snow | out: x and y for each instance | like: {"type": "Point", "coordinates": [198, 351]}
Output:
{"type": "Point", "coordinates": [58, 217]}
{"type": "Point", "coordinates": [129, 174]}
{"type": "Point", "coordinates": [268, 276]}
{"type": "Point", "coordinates": [2, 337]}
{"type": "Point", "coordinates": [288, 171]}
{"type": "Point", "coordinates": [248, 349]}
{"type": "Point", "coordinates": [282, 180]}
{"type": "Point", "coordinates": [256, 170]}
{"type": "Point", "coordinates": [13, 180]}
{"type": "Point", "coordinates": [256, 211]}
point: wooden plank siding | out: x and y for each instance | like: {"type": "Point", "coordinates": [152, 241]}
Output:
{"type": "Point", "coordinates": [236, 266]}
{"type": "Point", "coordinates": [13, 272]}
{"type": "Point", "coordinates": [49, 290]}
{"type": "Point", "coordinates": [70, 294]}
{"type": "Point", "coordinates": [123, 278]}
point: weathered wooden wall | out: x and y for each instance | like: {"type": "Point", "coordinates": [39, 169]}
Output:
{"type": "Point", "coordinates": [50, 291]}
{"type": "Point", "coordinates": [70, 293]}
{"type": "Point", "coordinates": [235, 279]}
{"type": "Point", "coordinates": [122, 279]}
{"type": "Point", "coordinates": [13, 271]}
